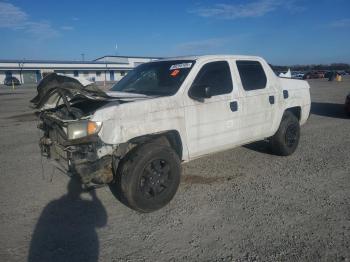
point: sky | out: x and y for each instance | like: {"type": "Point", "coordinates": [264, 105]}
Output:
{"type": "Point", "coordinates": [283, 32]}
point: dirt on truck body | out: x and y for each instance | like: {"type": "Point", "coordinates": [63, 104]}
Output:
{"type": "Point", "coordinates": [135, 136]}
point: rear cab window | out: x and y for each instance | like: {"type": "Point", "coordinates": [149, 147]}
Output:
{"type": "Point", "coordinates": [252, 75]}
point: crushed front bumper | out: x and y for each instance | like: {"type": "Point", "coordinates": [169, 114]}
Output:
{"type": "Point", "coordinates": [78, 156]}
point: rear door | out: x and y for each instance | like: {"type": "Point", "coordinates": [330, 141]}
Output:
{"type": "Point", "coordinates": [258, 98]}
{"type": "Point", "coordinates": [212, 124]}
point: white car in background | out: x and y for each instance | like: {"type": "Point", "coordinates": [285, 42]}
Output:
{"type": "Point", "coordinates": [298, 75]}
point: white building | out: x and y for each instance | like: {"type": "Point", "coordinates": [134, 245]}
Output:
{"type": "Point", "coordinates": [106, 68]}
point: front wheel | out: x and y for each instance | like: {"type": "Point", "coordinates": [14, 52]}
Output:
{"type": "Point", "coordinates": [286, 139]}
{"type": "Point", "coordinates": [149, 177]}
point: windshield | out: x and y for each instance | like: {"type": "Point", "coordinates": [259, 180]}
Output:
{"type": "Point", "coordinates": [162, 78]}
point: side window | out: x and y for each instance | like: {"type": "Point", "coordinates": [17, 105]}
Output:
{"type": "Point", "coordinates": [252, 75]}
{"type": "Point", "coordinates": [217, 75]}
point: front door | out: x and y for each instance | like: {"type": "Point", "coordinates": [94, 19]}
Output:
{"type": "Point", "coordinates": [212, 124]}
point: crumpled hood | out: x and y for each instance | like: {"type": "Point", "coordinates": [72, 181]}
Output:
{"type": "Point", "coordinates": [56, 89]}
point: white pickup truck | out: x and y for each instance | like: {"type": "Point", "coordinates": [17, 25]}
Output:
{"type": "Point", "coordinates": [135, 136]}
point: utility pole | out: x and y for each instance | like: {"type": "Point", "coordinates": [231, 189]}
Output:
{"type": "Point", "coordinates": [104, 82]}
{"type": "Point", "coordinates": [20, 65]}
{"type": "Point", "coordinates": [20, 73]}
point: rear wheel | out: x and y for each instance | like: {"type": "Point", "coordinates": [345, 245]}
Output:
{"type": "Point", "coordinates": [286, 139]}
{"type": "Point", "coordinates": [149, 177]}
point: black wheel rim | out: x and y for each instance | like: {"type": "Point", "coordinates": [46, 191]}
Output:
{"type": "Point", "coordinates": [291, 135]}
{"type": "Point", "coordinates": [155, 179]}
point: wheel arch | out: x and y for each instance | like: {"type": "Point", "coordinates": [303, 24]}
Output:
{"type": "Point", "coordinates": [296, 111]}
{"type": "Point", "coordinates": [169, 138]}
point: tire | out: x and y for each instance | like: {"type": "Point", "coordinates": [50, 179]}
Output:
{"type": "Point", "coordinates": [286, 139]}
{"type": "Point", "coordinates": [149, 177]}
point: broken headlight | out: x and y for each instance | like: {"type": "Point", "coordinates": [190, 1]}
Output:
{"type": "Point", "coordinates": [83, 128]}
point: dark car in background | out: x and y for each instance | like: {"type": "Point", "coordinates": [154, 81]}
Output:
{"type": "Point", "coordinates": [11, 80]}
{"type": "Point", "coordinates": [328, 74]}
{"type": "Point", "coordinates": [347, 105]}
{"type": "Point", "coordinates": [313, 75]}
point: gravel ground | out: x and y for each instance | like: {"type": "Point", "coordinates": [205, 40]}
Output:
{"type": "Point", "coordinates": [239, 205]}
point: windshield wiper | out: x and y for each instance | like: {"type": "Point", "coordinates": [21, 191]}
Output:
{"type": "Point", "coordinates": [129, 90]}
{"type": "Point", "coordinates": [157, 93]}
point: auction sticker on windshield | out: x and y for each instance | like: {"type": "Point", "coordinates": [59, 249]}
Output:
{"type": "Point", "coordinates": [175, 72]}
{"type": "Point", "coordinates": [180, 66]}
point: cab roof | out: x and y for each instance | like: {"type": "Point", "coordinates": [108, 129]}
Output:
{"type": "Point", "coordinates": [206, 57]}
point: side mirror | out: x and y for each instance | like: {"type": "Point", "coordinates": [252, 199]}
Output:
{"type": "Point", "coordinates": [199, 92]}
{"type": "Point", "coordinates": [207, 92]}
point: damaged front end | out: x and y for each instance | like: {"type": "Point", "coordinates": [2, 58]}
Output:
{"type": "Point", "coordinates": [80, 156]}
{"type": "Point", "coordinates": [65, 107]}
